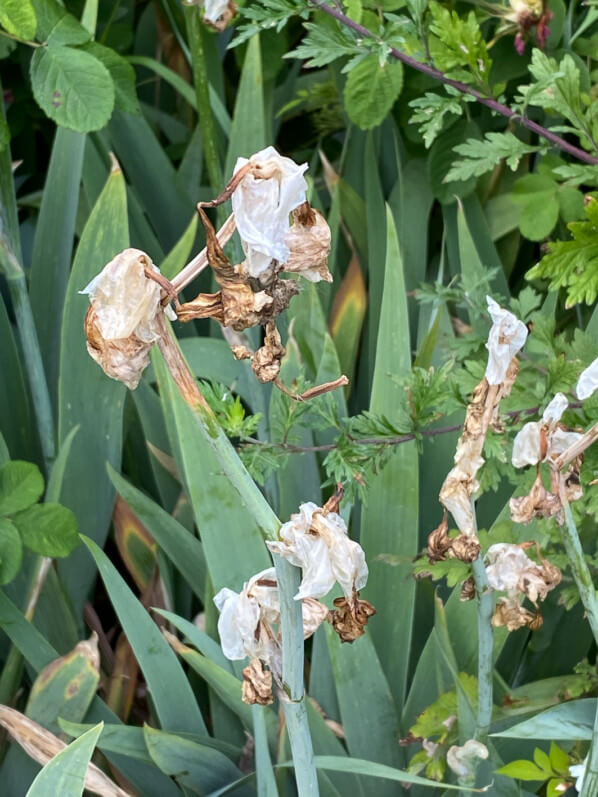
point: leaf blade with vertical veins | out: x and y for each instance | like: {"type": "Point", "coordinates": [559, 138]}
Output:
{"type": "Point", "coordinates": [390, 519]}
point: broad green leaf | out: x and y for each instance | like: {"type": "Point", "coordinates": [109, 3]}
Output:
{"type": "Point", "coordinates": [72, 87]}
{"type": "Point", "coordinates": [65, 773]}
{"type": "Point", "coordinates": [54, 487]}
{"type": "Point", "coordinates": [372, 89]}
{"type": "Point", "coordinates": [176, 706]}
{"type": "Point", "coordinates": [4, 452]}
{"type": "Point", "coordinates": [232, 542]}
{"type": "Point", "coordinates": [56, 26]}
{"type": "Point", "coordinates": [537, 195]}
{"type": "Point", "coordinates": [11, 551]}
{"type": "Point", "coordinates": [523, 770]}
{"type": "Point", "coordinates": [121, 72]}
{"type": "Point", "coordinates": [376, 224]}
{"type": "Point", "coordinates": [390, 519]}
{"type": "Point", "coordinates": [572, 720]}
{"type": "Point", "coordinates": [66, 686]}
{"type": "Point", "coordinates": [194, 766]}
{"type": "Point", "coordinates": [347, 314]}
{"type": "Point", "coordinates": [249, 132]}
{"type": "Point", "coordinates": [48, 529]}
{"type": "Point", "coordinates": [15, 414]}
{"type": "Point", "coordinates": [180, 545]}
{"type": "Point", "coordinates": [87, 397]}
{"type": "Point", "coordinates": [53, 246]}
{"type": "Point", "coordinates": [266, 782]}
{"type": "Point", "coordinates": [18, 17]}
{"type": "Point", "coordinates": [21, 484]}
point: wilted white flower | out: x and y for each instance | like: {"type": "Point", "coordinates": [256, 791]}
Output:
{"type": "Point", "coordinates": [319, 544]}
{"type": "Point", "coordinates": [262, 203]}
{"type": "Point", "coordinates": [507, 336]}
{"type": "Point", "coordinates": [578, 771]}
{"type": "Point", "coordinates": [122, 323]}
{"type": "Point", "coordinates": [510, 570]}
{"type": "Point", "coordinates": [249, 620]}
{"type": "Point", "coordinates": [214, 9]}
{"type": "Point", "coordinates": [588, 381]}
{"type": "Point", "coordinates": [462, 760]}
{"type": "Point", "coordinates": [527, 446]}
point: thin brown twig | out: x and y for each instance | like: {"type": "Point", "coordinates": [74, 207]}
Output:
{"type": "Point", "coordinates": [463, 88]}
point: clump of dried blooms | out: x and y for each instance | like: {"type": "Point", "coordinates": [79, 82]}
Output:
{"type": "Point", "coordinates": [249, 626]}
{"type": "Point", "coordinates": [510, 570]}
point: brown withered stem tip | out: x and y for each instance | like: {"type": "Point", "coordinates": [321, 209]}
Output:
{"type": "Point", "coordinates": [350, 617]}
{"type": "Point", "coordinates": [333, 504]}
{"type": "Point", "coordinates": [257, 684]}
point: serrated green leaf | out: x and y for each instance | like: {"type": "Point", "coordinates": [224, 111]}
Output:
{"type": "Point", "coordinates": [441, 159]}
{"type": "Point", "coordinates": [11, 551]}
{"type": "Point", "coordinates": [457, 46]}
{"type": "Point", "coordinates": [523, 770]}
{"type": "Point", "coordinates": [21, 484]}
{"type": "Point", "coordinates": [482, 156]}
{"type": "Point", "coordinates": [72, 87]}
{"type": "Point", "coordinates": [430, 114]}
{"type": "Point", "coordinates": [65, 773]}
{"type": "Point", "coordinates": [48, 529]}
{"type": "Point", "coordinates": [18, 17]}
{"type": "Point", "coordinates": [371, 90]}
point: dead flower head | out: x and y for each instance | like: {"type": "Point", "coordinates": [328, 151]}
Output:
{"type": "Point", "coordinates": [122, 323]}
{"type": "Point", "coordinates": [257, 684]}
{"type": "Point", "coordinates": [538, 441]}
{"type": "Point", "coordinates": [463, 760]}
{"type": "Point", "coordinates": [319, 544]}
{"type": "Point", "coordinates": [506, 338]}
{"type": "Point", "coordinates": [440, 546]}
{"type": "Point", "coordinates": [510, 570]}
{"type": "Point", "coordinates": [249, 623]}
{"type": "Point", "coordinates": [350, 617]}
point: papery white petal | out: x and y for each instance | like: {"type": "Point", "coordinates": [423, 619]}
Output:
{"type": "Point", "coordinates": [554, 411]}
{"type": "Point", "coordinates": [314, 613]}
{"type": "Point", "coordinates": [461, 759]}
{"type": "Point", "coordinates": [124, 299]}
{"type": "Point", "coordinates": [527, 445]}
{"type": "Point", "coordinates": [237, 616]}
{"type": "Point", "coordinates": [579, 771]}
{"type": "Point", "coordinates": [588, 381]}
{"type": "Point", "coordinates": [262, 208]}
{"type": "Point", "coordinates": [214, 9]}
{"type": "Point", "coordinates": [561, 440]}
{"type": "Point", "coordinates": [507, 336]}
{"type": "Point", "coordinates": [505, 565]}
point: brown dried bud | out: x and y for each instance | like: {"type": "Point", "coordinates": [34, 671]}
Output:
{"type": "Point", "coordinates": [257, 684]}
{"type": "Point", "coordinates": [309, 243]}
{"type": "Point", "coordinates": [350, 617]}
{"type": "Point", "coordinates": [468, 591]}
{"type": "Point", "coordinates": [510, 613]}
{"type": "Point", "coordinates": [538, 503]}
{"type": "Point", "coordinates": [205, 305]}
{"type": "Point", "coordinates": [241, 352]}
{"type": "Point", "coordinates": [465, 548]}
{"type": "Point", "coordinates": [439, 542]}
{"type": "Point", "coordinates": [266, 360]}
{"type": "Point", "coordinates": [224, 16]}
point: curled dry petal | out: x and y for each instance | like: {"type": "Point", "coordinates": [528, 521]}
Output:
{"type": "Point", "coordinates": [465, 548]}
{"type": "Point", "coordinates": [122, 324]}
{"type": "Point", "coordinates": [507, 337]}
{"type": "Point", "coordinates": [218, 13]}
{"type": "Point", "coordinates": [308, 241]}
{"type": "Point", "coordinates": [510, 613]}
{"type": "Point", "coordinates": [545, 439]}
{"type": "Point", "coordinates": [320, 545]}
{"type": "Point", "coordinates": [462, 759]}
{"type": "Point", "coordinates": [350, 617]}
{"type": "Point", "coordinates": [510, 570]}
{"type": "Point", "coordinates": [468, 591]}
{"type": "Point", "coordinates": [461, 483]}
{"type": "Point", "coordinates": [271, 189]}
{"type": "Point", "coordinates": [266, 361]}
{"type": "Point", "coordinates": [439, 542]}
{"type": "Point", "coordinates": [257, 684]}
{"type": "Point", "coordinates": [588, 381]}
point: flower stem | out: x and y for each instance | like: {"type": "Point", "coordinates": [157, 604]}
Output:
{"type": "Point", "coordinates": [288, 577]}
{"type": "Point", "coordinates": [587, 593]}
{"type": "Point", "coordinates": [485, 648]}
{"type": "Point", "coordinates": [202, 92]}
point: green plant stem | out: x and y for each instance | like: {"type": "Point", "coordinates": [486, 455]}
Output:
{"type": "Point", "coordinates": [202, 92]}
{"type": "Point", "coordinates": [266, 782]}
{"type": "Point", "coordinates": [485, 648]}
{"type": "Point", "coordinates": [288, 577]}
{"type": "Point", "coordinates": [587, 593]}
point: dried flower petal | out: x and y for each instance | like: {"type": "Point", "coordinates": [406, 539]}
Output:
{"type": "Point", "coordinates": [267, 359]}
{"type": "Point", "coordinates": [588, 381]}
{"type": "Point", "coordinates": [218, 13]}
{"type": "Point", "coordinates": [350, 617]}
{"type": "Point", "coordinates": [468, 590]}
{"type": "Point", "coordinates": [262, 202]}
{"type": "Point", "coordinates": [510, 613]}
{"type": "Point", "coordinates": [439, 542]}
{"type": "Point", "coordinates": [538, 503]}
{"type": "Point", "coordinates": [536, 439]}
{"type": "Point", "coordinates": [510, 570]}
{"type": "Point", "coordinates": [257, 684]}
{"type": "Point", "coordinates": [466, 548]}
{"type": "Point", "coordinates": [320, 545]}
{"type": "Point", "coordinates": [507, 337]}
{"type": "Point", "coordinates": [308, 241]}
{"type": "Point", "coordinates": [121, 324]}
{"type": "Point", "coordinates": [462, 759]}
